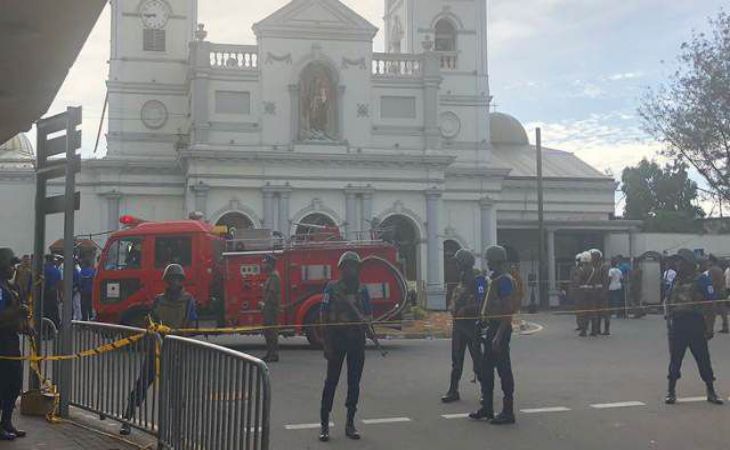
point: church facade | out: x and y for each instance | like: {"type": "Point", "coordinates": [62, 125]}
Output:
{"type": "Point", "coordinates": [309, 125]}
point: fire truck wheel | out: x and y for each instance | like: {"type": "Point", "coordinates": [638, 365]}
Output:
{"type": "Point", "coordinates": [313, 332]}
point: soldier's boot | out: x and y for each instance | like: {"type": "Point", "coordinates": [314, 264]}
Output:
{"type": "Point", "coordinates": [7, 424]}
{"type": "Point", "coordinates": [324, 428]}
{"type": "Point", "coordinates": [507, 416]}
{"type": "Point", "coordinates": [486, 411]}
{"type": "Point", "coordinates": [712, 396]}
{"type": "Point", "coordinates": [671, 397]}
{"type": "Point", "coordinates": [453, 394]}
{"type": "Point", "coordinates": [126, 429]}
{"type": "Point", "coordinates": [350, 430]}
{"type": "Point", "coordinates": [583, 330]}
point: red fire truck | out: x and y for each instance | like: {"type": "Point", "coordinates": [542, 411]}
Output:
{"type": "Point", "coordinates": [224, 273]}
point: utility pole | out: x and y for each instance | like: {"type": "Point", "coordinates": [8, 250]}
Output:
{"type": "Point", "coordinates": [57, 158]}
{"type": "Point", "coordinates": [541, 266]}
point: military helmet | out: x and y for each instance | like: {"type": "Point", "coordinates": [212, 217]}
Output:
{"type": "Point", "coordinates": [173, 270]}
{"type": "Point", "coordinates": [269, 259]}
{"type": "Point", "coordinates": [496, 254]}
{"type": "Point", "coordinates": [349, 256]}
{"type": "Point", "coordinates": [464, 258]}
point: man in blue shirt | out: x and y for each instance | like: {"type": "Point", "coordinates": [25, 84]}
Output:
{"type": "Point", "coordinates": [52, 282]}
{"type": "Point", "coordinates": [688, 305]}
{"type": "Point", "coordinates": [345, 301]}
{"type": "Point", "coordinates": [86, 287]}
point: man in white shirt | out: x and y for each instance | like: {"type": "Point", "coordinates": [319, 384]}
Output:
{"type": "Point", "coordinates": [615, 288]}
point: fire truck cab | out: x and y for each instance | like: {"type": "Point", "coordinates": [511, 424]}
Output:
{"type": "Point", "coordinates": [129, 275]}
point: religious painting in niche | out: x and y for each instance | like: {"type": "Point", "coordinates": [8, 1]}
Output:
{"type": "Point", "coordinates": [318, 104]}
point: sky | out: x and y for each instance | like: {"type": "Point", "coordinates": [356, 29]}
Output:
{"type": "Point", "coordinates": [575, 68]}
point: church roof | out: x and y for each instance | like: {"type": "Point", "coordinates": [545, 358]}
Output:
{"type": "Point", "coordinates": [17, 153]}
{"type": "Point", "coordinates": [330, 19]}
{"type": "Point", "coordinates": [511, 149]}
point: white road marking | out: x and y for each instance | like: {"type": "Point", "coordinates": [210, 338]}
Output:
{"type": "Point", "coordinates": [305, 426]}
{"type": "Point", "coordinates": [386, 420]}
{"type": "Point", "coordinates": [455, 416]}
{"type": "Point", "coordinates": [617, 405]}
{"type": "Point", "coordinates": [545, 410]}
{"type": "Point", "coordinates": [691, 399]}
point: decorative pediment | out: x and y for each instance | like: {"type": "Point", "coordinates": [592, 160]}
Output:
{"type": "Point", "coordinates": [316, 19]}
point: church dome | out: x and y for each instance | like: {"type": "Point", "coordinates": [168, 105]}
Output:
{"type": "Point", "coordinates": [505, 129]}
{"type": "Point", "coordinates": [17, 152]}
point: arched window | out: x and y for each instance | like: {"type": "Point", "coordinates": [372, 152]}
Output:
{"type": "Point", "coordinates": [403, 233]}
{"type": "Point", "coordinates": [236, 220]}
{"type": "Point", "coordinates": [445, 36]}
{"type": "Point", "coordinates": [317, 227]}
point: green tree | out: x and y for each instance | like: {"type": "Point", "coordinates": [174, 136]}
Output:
{"type": "Point", "coordinates": [690, 113]}
{"type": "Point", "coordinates": [664, 198]}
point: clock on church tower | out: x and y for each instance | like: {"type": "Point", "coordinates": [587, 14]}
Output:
{"type": "Point", "coordinates": [147, 82]}
{"type": "Point", "coordinates": [155, 14]}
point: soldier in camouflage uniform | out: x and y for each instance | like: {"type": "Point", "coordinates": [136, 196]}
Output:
{"type": "Point", "coordinates": [270, 308]}
{"type": "Point", "coordinates": [688, 324]}
{"type": "Point", "coordinates": [345, 301]}
{"type": "Point", "coordinates": [464, 309]}
{"type": "Point", "coordinates": [585, 301]}
{"type": "Point", "coordinates": [174, 308]}
{"type": "Point", "coordinates": [501, 303]}
{"type": "Point", "coordinates": [599, 292]}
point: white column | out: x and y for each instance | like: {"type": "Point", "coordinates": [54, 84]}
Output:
{"type": "Point", "coordinates": [268, 197]}
{"type": "Point", "coordinates": [435, 281]}
{"type": "Point", "coordinates": [284, 223]}
{"type": "Point", "coordinates": [113, 201]}
{"type": "Point", "coordinates": [488, 211]}
{"type": "Point", "coordinates": [552, 270]}
{"type": "Point", "coordinates": [367, 213]}
{"type": "Point", "coordinates": [350, 214]}
{"type": "Point", "coordinates": [201, 198]}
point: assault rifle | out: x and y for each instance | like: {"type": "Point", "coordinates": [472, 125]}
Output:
{"type": "Point", "coordinates": [369, 328]}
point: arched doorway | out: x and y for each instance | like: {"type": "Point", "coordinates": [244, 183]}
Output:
{"type": "Point", "coordinates": [235, 220]}
{"type": "Point", "coordinates": [451, 269]}
{"type": "Point", "coordinates": [317, 226]}
{"type": "Point", "coordinates": [402, 232]}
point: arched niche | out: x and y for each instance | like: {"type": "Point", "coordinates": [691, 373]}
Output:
{"type": "Point", "coordinates": [318, 103]}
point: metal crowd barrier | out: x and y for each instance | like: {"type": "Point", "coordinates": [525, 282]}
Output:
{"type": "Point", "coordinates": [119, 384]}
{"type": "Point", "coordinates": [212, 397]}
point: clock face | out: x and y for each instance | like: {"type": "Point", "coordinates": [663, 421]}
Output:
{"type": "Point", "coordinates": [154, 114]}
{"type": "Point", "coordinates": [155, 13]}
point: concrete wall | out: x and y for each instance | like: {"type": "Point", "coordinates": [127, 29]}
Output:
{"type": "Point", "coordinates": [667, 242]}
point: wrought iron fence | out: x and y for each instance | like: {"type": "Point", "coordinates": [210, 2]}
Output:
{"type": "Point", "coordinates": [121, 384]}
{"type": "Point", "coordinates": [212, 398]}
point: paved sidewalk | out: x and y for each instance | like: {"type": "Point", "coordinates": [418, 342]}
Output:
{"type": "Point", "coordinates": [63, 436]}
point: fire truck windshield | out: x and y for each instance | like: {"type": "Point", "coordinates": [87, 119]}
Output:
{"type": "Point", "coordinates": [124, 254]}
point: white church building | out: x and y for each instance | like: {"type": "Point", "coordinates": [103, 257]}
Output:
{"type": "Point", "coordinates": [310, 125]}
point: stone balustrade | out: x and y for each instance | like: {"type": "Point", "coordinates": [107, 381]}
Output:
{"type": "Point", "coordinates": [448, 60]}
{"type": "Point", "coordinates": [397, 65]}
{"type": "Point", "coordinates": [234, 57]}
